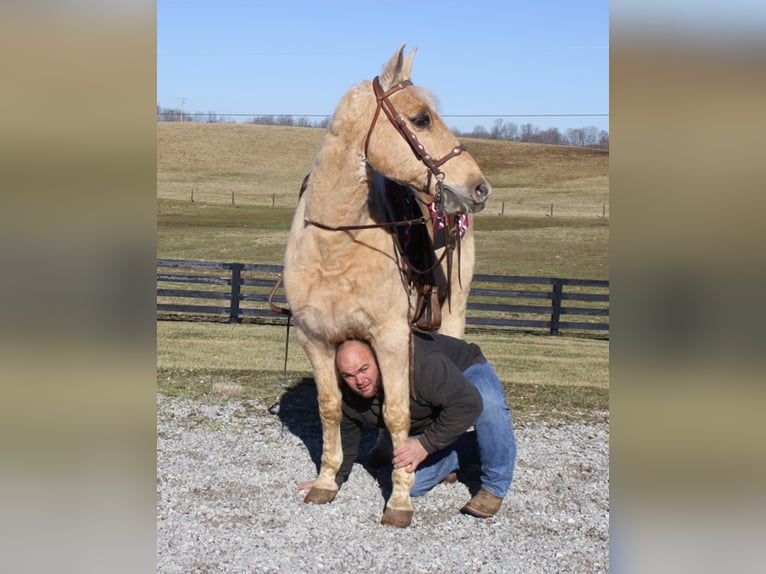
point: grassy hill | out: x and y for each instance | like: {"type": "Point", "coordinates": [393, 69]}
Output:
{"type": "Point", "coordinates": [261, 164]}
{"type": "Point", "coordinates": [262, 167]}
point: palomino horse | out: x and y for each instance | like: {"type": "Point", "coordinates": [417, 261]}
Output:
{"type": "Point", "coordinates": [342, 274]}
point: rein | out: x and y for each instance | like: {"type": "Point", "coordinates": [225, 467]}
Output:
{"type": "Point", "coordinates": [406, 222]}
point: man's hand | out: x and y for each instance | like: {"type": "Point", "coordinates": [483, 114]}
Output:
{"type": "Point", "coordinates": [409, 455]}
{"type": "Point", "coordinates": [306, 485]}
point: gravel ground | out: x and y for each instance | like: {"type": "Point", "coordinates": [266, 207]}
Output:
{"type": "Point", "coordinates": [227, 501]}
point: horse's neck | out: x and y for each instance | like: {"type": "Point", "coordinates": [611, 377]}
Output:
{"type": "Point", "coordinates": [339, 189]}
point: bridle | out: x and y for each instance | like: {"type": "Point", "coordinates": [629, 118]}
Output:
{"type": "Point", "coordinates": [399, 123]}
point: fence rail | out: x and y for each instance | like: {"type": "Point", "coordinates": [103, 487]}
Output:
{"type": "Point", "coordinates": [237, 292]}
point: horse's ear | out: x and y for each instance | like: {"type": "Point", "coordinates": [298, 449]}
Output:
{"type": "Point", "coordinates": [407, 67]}
{"type": "Point", "coordinates": [398, 68]}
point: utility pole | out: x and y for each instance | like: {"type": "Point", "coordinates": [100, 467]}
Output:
{"type": "Point", "coordinates": [183, 101]}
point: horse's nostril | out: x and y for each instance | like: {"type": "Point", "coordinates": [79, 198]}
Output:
{"type": "Point", "coordinates": [482, 192]}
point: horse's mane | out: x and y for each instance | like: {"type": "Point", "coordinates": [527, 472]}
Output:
{"type": "Point", "coordinates": [427, 96]}
{"type": "Point", "coordinates": [392, 201]}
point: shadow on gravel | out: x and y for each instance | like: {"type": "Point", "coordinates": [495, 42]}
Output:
{"type": "Point", "coordinates": [298, 410]}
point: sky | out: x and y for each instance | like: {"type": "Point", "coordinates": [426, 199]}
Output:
{"type": "Point", "coordinates": [544, 62]}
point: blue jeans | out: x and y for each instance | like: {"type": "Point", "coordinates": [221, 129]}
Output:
{"type": "Point", "coordinates": [492, 446]}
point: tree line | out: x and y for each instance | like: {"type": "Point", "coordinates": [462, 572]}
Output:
{"type": "Point", "coordinates": [588, 136]}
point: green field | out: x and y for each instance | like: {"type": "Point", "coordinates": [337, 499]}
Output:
{"type": "Point", "coordinates": [228, 192]}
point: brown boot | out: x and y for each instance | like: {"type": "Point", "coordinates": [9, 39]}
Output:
{"type": "Point", "coordinates": [449, 479]}
{"type": "Point", "coordinates": [482, 505]}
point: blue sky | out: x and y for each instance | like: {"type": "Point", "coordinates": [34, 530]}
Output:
{"type": "Point", "coordinates": [298, 57]}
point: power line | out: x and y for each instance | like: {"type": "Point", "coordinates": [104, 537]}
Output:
{"type": "Point", "coordinates": [525, 116]}
{"type": "Point", "coordinates": [239, 115]}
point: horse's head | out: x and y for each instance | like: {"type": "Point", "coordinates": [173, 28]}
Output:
{"type": "Point", "coordinates": [409, 143]}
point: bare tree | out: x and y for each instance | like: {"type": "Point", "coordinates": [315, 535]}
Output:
{"type": "Point", "coordinates": [589, 136]}
{"type": "Point", "coordinates": [576, 136]}
{"type": "Point", "coordinates": [497, 130]}
{"type": "Point", "coordinates": [480, 132]}
{"type": "Point", "coordinates": [550, 136]}
{"type": "Point", "coordinates": [528, 132]}
{"type": "Point", "coordinates": [510, 131]}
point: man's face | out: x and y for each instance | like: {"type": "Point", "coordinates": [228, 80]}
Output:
{"type": "Point", "coordinates": [358, 368]}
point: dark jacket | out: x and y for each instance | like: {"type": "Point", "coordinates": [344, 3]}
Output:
{"type": "Point", "coordinates": [445, 405]}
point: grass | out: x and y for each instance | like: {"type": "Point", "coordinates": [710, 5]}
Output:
{"type": "Point", "coordinates": [255, 162]}
{"type": "Point", "coordinates": [529, 402]}
{"type": "Point", "coordinates": [265, 165]}
{"type": "Point", "coordinates": [572, 247]}
{"type": "Point", "coordinates": [545, 377]}
{"type": "Point", "coordinates": [562, 378]}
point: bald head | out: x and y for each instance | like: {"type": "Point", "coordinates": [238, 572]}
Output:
{"type": "Point", "coordinates": [358, 368]}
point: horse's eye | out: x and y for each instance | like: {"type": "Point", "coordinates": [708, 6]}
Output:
{"type": "Point", "coordinates": [421, 120]}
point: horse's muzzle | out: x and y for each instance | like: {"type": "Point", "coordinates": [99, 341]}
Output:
{"type": "Point", "coordinates": [453, 201]}
{"type": "Point", "coordinates": [481, 195]}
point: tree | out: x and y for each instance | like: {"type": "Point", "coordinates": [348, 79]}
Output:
{"type": "Point", "coordinates": [603, 139]}
{"type": "Point", "coordinates": [528, 132]}
{"type": "Point", "coordinates": [480, 132]}
{"type": "Point", "coordinates": [589, 136]}
{"type": "Point", "coordinates": [576, 136]}
{"type": "Point", "coordinates": [550, 136]}
{"type": "Point", "coordinates": [510, 131]}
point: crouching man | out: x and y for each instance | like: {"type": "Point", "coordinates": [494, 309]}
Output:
{"type": "Point", "coordinates": [456, 388]}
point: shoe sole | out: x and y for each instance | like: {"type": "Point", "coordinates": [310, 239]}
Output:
{"type": "Point", "coordinates": [475, 513]}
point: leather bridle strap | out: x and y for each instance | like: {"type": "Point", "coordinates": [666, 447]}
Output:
{"type": "Point", "coordinates": [401, 126]}
{"type": "Point", "coordinates": [405, 222]}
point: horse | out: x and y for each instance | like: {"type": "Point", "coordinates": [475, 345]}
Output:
{"type": "Point", "coordinates": [343, 275]}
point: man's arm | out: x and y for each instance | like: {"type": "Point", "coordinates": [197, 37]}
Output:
{"type": "Point", "coordinates": [459, 403]}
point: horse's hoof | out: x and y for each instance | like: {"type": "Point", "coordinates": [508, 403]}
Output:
{"type": "Point", "coordinates": [398, 518]}
{"type": "Point", "coordinates": [320, 495]}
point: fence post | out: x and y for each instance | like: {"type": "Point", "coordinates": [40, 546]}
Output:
{"type": "Point", "coordinates": [558, 292]}
{"type": "Point", "coordinates": [236, 292]}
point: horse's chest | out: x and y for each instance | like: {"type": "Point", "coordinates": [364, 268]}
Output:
{"type": "Point", "coordinates": [355, 290]}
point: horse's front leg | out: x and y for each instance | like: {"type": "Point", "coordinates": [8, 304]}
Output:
{"type": "Point", "coordinates": [399, 509]}
{"type": "Point", "coordinates": [325, 487]}
{"type": "Point", "coordinates": [396, 414]}
{"type": "Point", "coordinates": [454, 310]}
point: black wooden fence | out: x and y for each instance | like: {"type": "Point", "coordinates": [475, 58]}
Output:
{"type": "Point", "coordinates": [236, 292]}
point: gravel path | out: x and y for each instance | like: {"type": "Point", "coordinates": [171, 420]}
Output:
{"type": "Point", "coordinates": [227, 502]}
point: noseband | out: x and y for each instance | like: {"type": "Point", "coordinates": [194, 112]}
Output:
{"type": "Point", "coordinates": [400, 124]}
